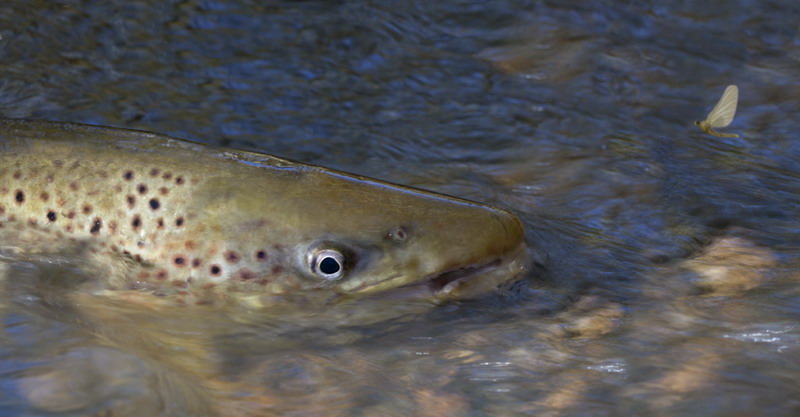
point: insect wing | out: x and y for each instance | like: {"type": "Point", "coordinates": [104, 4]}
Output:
{"type": "Point", "coordinates": [723, 112]}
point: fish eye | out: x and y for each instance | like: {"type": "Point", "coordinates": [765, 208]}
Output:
{"type": "Point", "coordinates": [328, 264]}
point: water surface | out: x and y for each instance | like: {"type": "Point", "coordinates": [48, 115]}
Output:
{"type": "Point", "coordinates": [671, 257]}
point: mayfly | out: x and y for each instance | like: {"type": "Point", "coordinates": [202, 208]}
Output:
{"type": "Point", "coordinates": [722, 114]}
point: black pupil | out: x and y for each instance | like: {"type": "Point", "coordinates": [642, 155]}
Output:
{"type": "Point", "coordinates": [329, 266]}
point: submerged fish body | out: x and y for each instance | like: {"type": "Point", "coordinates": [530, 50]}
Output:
{"type": "Point", "coordinates": [175, 216]}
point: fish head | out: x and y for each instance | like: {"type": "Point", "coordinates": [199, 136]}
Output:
{"type": "Point", "coordinates": [356, 236]}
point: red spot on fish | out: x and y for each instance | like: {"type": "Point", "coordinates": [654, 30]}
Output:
{"type": "Point", "coordinates": [231, 256]}
{"type": "Point", "coordinates": [163, 190]}
{"type": "Point", "coordinates": [196, 262]}
{"type": "Point", "coordinates": [87, 209]}
{"type": "Point", "coordinates": [162, 274]}
{"type": "Point", "coordinates": [277, 269]}
{"type": "Point", "coordinates": [246, 274]}
{"type": "Point", "coordinates": [73, 186]}
{"type": "Point", "coordinates": [44, 196]}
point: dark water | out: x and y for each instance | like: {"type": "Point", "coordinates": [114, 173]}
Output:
{"type": "Point", "coordinates": [671, 281]}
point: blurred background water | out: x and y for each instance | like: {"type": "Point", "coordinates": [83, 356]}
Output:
{"type": "Point", "coordinates": [671, 257]}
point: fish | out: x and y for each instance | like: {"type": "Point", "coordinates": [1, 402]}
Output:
{"type": "Point", "coordinates": [722, 114]}
{"type": "Point", "coordinates": [156, 214]}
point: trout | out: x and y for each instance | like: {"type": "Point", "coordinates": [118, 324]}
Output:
{"type": "Point", "coordinates": [155, 213]}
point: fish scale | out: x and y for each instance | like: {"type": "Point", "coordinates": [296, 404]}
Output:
{"type": "Point", "coordinates": [161, 213]}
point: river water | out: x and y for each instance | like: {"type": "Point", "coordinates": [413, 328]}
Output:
{"type": "Point", "coordinates": [670, 282]}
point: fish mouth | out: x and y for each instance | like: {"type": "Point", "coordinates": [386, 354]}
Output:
{"type": "Point", "coordinates": [447, 281]}
{"type": "Point", "coordinates": [471, 280]}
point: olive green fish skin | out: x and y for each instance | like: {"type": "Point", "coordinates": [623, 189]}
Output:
{"type": "Point", "coordinates": [159, 212]}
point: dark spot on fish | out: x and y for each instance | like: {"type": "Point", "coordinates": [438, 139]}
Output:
{"type": "Point", "coordinates": [137, 258]}
{"type": "Point", "coordinates": [179, 221]}
{"type": "Point", "coordinates": [163, 190]}
{"type": "Point", "coordinates": [215, 270]}
{"type": "Point", "coordinates": [160, 223]}
{"type": "Point", "coordinates": [51, 216]}
{"type": "Point", "coordinates": [179, 261]}
{"type": "Point", "coordinates": [137, 221]}
{"type": "Point", "coordinates": [19, 196]}
{"type": "Point", "coordinates": [128, 175]}
{"type": "Point", "coordinates": [196, 262]}
{"type": "Point", "coordinates": [87, 209]}
{"type": "Point", "coordinates": [73, 186]}
{"type": "Point", "coordinates": [131, 201]}
{"type": "Point", "coordinates": [154, 172]}
{"type": "Point", "coordinates": [96, 226]}
{"type": "Point", "coordinates": [141, 188]}
{"type": "Point", "coordinates": [261, 255]}
{"type": "Point", "coordinates": [44, 196]}
{"type": "Point", "coordinates": [71, 215]}
{"type": "Point", "coordinates": [161, 275]}
{"type": "Point", "coordinates": [154, 204]}
{"type": "Point", "coordinates": [167, 175]}
{"type": "Point", "coordinates": [246, 274]}
{"type": "Point", "coordinates": [69, 228]}
{"type": "Point", "coordinates": [179, 180]}
{"type": "Point", "coordinates": [17, 175]}
{"type": "Point", "coordinates": [231, 256]}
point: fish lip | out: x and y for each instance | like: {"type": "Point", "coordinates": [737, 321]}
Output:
{"type": "Point", "coordinates": [504, 269]}
{"type": "Point", "coordinates": [446, 281]}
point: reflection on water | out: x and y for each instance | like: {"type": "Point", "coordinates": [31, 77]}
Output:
{"type": "Point", "coordinates": [671, 256]}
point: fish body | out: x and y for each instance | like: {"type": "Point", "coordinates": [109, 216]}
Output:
{"type": "Point", "coordinates": [173, 216]}
{"type": "Point", "coordinates": [722, 114]}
